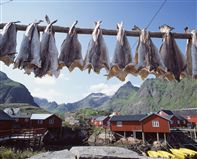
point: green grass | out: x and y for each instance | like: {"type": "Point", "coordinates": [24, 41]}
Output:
{"type": "Point", "coordinates": [6, 153]}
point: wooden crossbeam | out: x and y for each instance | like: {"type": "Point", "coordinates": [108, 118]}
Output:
{"type": "Point", "coordinates": [104, 31]}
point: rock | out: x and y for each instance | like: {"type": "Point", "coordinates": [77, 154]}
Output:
{"type": "Point", "coordinates": [64, 154]}
{"type": "Point", "coordinates": [103, 152]}
{"type": "Point", "coordinates": [133, 141]}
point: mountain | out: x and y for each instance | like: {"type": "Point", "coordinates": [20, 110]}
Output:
{"type": "Point", "coordinates": [14, 92]}
{"type": "Point", "coordinates": [93, 100]}
{"type": "Point", "coordinates": [153, 95]}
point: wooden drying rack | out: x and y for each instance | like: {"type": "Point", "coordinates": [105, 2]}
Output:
{"type": "Point", "coordinates": [104, 31]}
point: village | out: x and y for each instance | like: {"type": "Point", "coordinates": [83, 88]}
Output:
{"type": "Point", "coordinates": [139, 129]}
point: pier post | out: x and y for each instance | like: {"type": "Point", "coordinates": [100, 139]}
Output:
{"type": "Point", "coordinates": [165, 141]}
{"type": "Point", "coordinates": [143, 137]}
{"type": "Point", "coordinates": [157, 136]}
{"type": "Point", "coordinates": [134, 134]}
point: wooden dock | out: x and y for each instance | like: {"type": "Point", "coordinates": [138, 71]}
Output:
{"type": "Point", "coordinates": [32, 135]}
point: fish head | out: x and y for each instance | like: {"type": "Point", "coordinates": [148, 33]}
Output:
{"type": "Point", "coordinates": [96, 32]}
{"type": "Point", "coordinates": [121, 33]}
{"type": "Point", "coordinates": [165, 28]}
{"type": "Point", "coordinates": [144, 36]}
{"type": "Point", "coordinates": [72, 28]}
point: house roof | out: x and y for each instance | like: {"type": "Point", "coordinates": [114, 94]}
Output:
{"type": "Point", "coordinates": [136, 117]}
{"type": "Point", "coordinates": [101, 118]}
{"type": "Point", "coordinates": [4, 116]}
{"type": "Point", "coordinates": [169, 112]}
{"type": "Point", "coordinates": [40, 116]}
{"type": "Point", "coordinates": [12, 111]}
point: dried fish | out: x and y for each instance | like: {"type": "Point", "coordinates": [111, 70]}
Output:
{"type": "Point", "coordinates": [29, 54]}
{"type": "Point", "coordinates": [70, 54]}
{"type": "Point", "coordinates": [122, 55]}
{"type": "Point", "coordinates": [8, 43]}
{"type": "Point", "coordinates": [148, 59]}
{"type": "Point", "coordinates": [171, 55]}
{"type": "Point", "coordinates": [49, 54]}
{"type": "Point", "coordinates": [97, 54]}
{"type": "Point", "coordinates": [191, 53]}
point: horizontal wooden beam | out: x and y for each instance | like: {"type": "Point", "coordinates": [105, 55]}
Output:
{"type": "Point", "coordinates": [104, 31]}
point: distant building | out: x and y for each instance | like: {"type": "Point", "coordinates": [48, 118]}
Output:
{"type": "Point", "coordinates": [189, 113]}
{"type": "Point", "coordinates": [48, 121]}
{"type": "Point", "coordinates": [176, 120]}
{"type": "Point", "coordinates": [101, 121]}
{"type": "Point", "coordinates": [20, 120]}
{"type": "Point", "coordinates": [6, 121]}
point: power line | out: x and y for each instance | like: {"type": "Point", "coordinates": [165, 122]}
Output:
{"type": "Point", "coordinates": [156, 13]}
{"type": "Point", "coordinates": [153, 18]}
{"type": "Point", "coordinates": [2, 3]}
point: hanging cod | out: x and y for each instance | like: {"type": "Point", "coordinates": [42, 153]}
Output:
{"type": "Point", "coordinates": [191, 54]}
{"type": "Point", "coordinates": [97, 54]}
{"type": "Point", "coordinates": [49, 53]}
{"type": "Point", "coordinates": [70, 54]}
{"type": "Point", "coordinates": [171, 55]}
{"type": "Point", "coordinates": [8, 43]}
{"type": "Point", "coordinates": [147, 57]}
{"type": "Point", "coordinates": [122, 55]}
{"type": "Point", "coordinates": [29, 53]}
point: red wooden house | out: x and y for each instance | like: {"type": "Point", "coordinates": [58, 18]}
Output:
{"type": "Point", "coordinates": [152, 123]}
{"type": "Point", "coordinates": [6, 121]}
{"type": "Point", "coordinates": [49, 121]}
{"type": "Point", "coordinates": [176, 120]}
{"type": "Point", "coordinates": [20, 120]}
{"type": "Point", "coordinates": [190, 114]}
{"type": "Point", "coordinates": [101, 121]}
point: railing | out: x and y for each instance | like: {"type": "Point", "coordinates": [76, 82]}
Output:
{"type": "Point", "coordinates": [21, 133]}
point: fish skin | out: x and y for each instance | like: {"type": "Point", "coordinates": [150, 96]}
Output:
{"type": "Point", "coordinates": [8, 43]}
{"type": "Point", "coordinates": [29, 54]}
{"type": "Point", "coordinates": [97, 54]}
{"type": "Point", "coordinates": [188, 56]}
{"type": "Point", "coordinates": [49, 54]}
{"type": "Point", "coordinates": [122, 55]}
{"type": "Point", "coordinates": [148, 59]}
{"type": "Point", "coordinates": [171, 55]}
{"type": "Point", "coordinates": [194, 54]}
{"type": "Point", "coordinates": [70, 53]}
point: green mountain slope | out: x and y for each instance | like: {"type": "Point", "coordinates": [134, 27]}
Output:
{"type": "Point", "coordinates": [153, 95]}
{"type": "Point", "coordinates": [14, 92]}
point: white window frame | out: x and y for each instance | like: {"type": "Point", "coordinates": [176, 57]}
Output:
{"type": "Point", "coordinates": [171, 122]}
{"type": "Point", "coordinates": [40, 122]}
{"type": "Point", "coordinates": [178, 122]}
{"type": "Point", "coordinates": [51, 121]}
{"type": "Point", "coordinates": [119, 123]}
{"type": "Point", "coordinates": [155, 123]}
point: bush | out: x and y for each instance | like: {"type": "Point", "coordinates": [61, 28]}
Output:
{"type": "Point", "coordinates": [7, 154]}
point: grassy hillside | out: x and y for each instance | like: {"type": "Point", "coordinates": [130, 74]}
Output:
{"type": "Point", "coordinates": [153, 95]}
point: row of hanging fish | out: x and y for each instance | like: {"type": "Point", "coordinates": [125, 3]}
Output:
{"type": "Point", "coordinates": [41, 57]}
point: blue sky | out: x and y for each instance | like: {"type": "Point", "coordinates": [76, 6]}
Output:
{"type": "Point", "coordinates": [73, 86]}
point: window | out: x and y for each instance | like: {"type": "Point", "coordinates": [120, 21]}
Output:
{"type": "Point", "coordinates": [119, 123]}
{"type": "Point", "coordinates": [40, 121]}
{"type": "Point", "coordinates": [51, 121]}
{"type": "Point", "coordinates": [16, 119]}
{"type": "Point", "coordinates": [178, 121]}
{"type": "Point", "coordinates": [155, 123]}
{"type": "Point", "coordinates": [171, 122]}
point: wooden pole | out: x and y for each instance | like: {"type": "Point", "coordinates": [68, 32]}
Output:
{"type": "Point", "coordinates": [165, 141]}
{"type": "Point", "coordinates": [157, 136]}
{"type": "Point", "coordinates": [60, 29]}
{"type": "Point", "coordinates": [143, 137]}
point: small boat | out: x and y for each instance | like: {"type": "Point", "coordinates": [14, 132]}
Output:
{"type": "Point", "coordinates": [166, 154]}
{"type": "Point", "coordinates": [154, 154]}
{"type": "Point", "coordinates": [189, 152]}
{"type": "Point", "coordinates": [178, 154]}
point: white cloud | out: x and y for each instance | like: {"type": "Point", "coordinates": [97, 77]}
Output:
{"type": "Point", "coordinates": [45, 81]}
{"type": "Point", "coordinates": [49, 94]}
{"type": "Point", "coordinates": [63, 76]}
{"type": "Point", "coordinates": [108, 89]}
